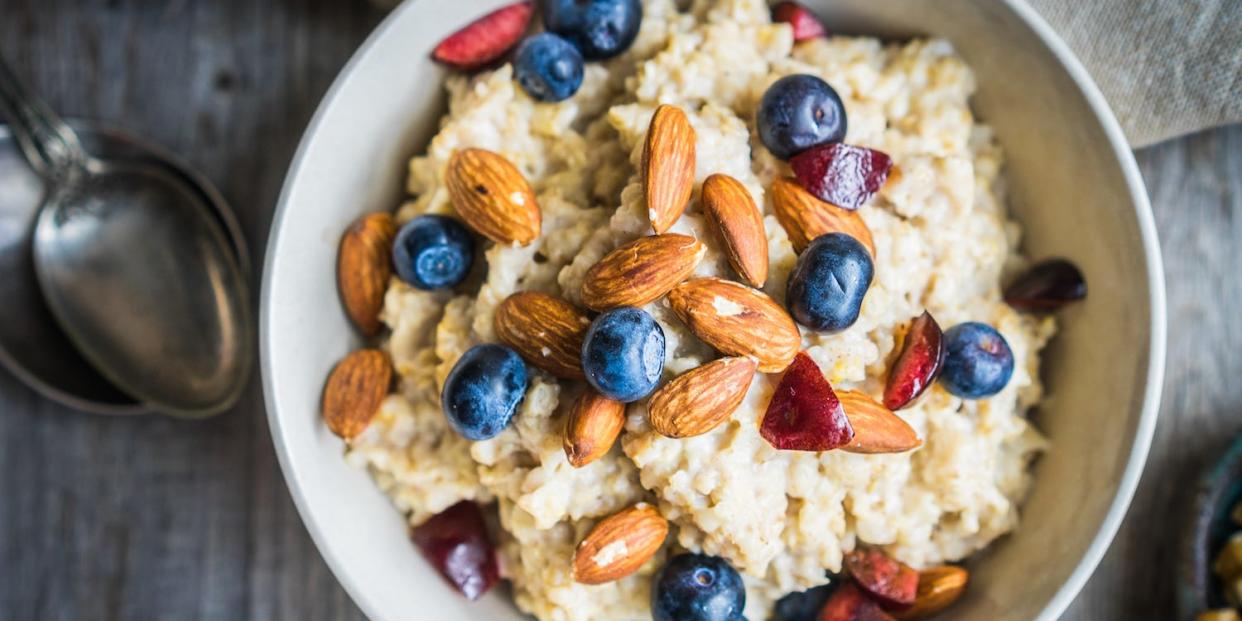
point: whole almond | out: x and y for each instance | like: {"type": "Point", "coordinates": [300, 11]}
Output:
{"type": "Point", "coordinates": [732, 211]}
{"type": "Point", "coordinates": [939, 587]}
{"type": "Point", "coordinates": [668, 166]}
{"type": "Point", "coordinates": [641, 271]}
{"type": "Point", "coordinates": [355, 390]}
{"type": "Point", "coordinates": [804, 217]}
{"type": "Point", "coordinates": [698, 400]}
{"type": "Point", "coordinates": [493, 197]}
{"type": "Point", "coordinates": [619, 545]}
{"type": "Point", "coordinates": [738, 321]}
{"type": "Point", "coordinates": [876, 428]}
{"type": "Point", "coordinates": [546, 330]}
{"type": "Point", "coordinates": [363, 267]}
{"type": "Point", "coordinates": [592, 427]}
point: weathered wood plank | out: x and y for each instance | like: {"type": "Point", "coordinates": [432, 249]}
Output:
{"type": "Point", "coordinates": [150, 518]}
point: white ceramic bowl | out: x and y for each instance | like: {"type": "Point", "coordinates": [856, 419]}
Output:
{"type": "Point", "coordinates": [1074, 185]}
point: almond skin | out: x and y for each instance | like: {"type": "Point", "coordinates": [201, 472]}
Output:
{"type": "Point", "coordinates": [546, 330]}
{"type": "Point", "coordinates": [939, 587]}
{"type": "Point", "coordinates": [732, 211]}
{"type": "Point", "coordinates": [668, 166]}
{"type": "Point", "coordinates": [592, 427]}
{"type": "Point", "coordinates": [363, 267]}
{"type": "Point", "coordinates": [876, 428]}
{"type": "Point", "coordinates": [641, 271]}
{"type": "Point", "coordinates": [804, 217]}
{"type": "Point", "coordinates": [619, 544]}
{"type": "Point", "coordinates": [698, 400]}
{"type": "Point", "coordinates": [738, 321]}
{"type": "Point", "coordinates": [355, 390]}
{"type": "Point", "coordinates": [492, 197]}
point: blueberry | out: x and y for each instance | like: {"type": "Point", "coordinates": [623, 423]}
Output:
{"type": "Point", "coordinates": [799, 112]}
{"type": "Point", "coordinates": [802, 605]}
{"type": "Point", "coordinates": [827, 286]}
{"type": "Point", "coordinates": [977, 361]}
{"type": "Point", "coordinates": [623, 354]}
{"type": "Point", "coordinates": [483, 391]}
{"type": "Point", "coordinates": [548, 67]}
{"type": "Point", "coordinates": [433, 252]}
{"type": "Point", "coordinates": [600, 28]}
{"type": "Point", "coordinates": [697, 587]}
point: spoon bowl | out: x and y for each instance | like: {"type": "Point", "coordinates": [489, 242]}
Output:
{"type": "Point", "coordinates": [145, 285]}
{"type": "Point", "coordinates": [135, 267]}
{"type": "Point", "coordinates": [32, 346]}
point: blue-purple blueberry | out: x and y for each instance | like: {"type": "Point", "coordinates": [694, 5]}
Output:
{"type": "Point", "coordinates": [433, 252]}
{"type": "Point", "coordinates": [977, 361]}
{"type": "Point", "coordinates": [802, 605]}
{"type": "Point", "coordinates": [798, 112]}
{"type": "Point", "coordinates": [599, 28]}
{"type": "Point", "coordinates": [697, 587]}
{"type": "Point", "coordinates": [548, 67]}
{"type": "Point", "coordinates": [828, 283]}
{"type": "Point", "coordinates": [483, 391]}
{"type": "Point", "coordinates": [623, 354]}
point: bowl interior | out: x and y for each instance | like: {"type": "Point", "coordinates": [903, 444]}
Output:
{"type": "Point", "coordinates": [1073, 185]}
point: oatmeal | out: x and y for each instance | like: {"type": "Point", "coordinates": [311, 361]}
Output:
{"type": "Point", "coordinates": [941, 238]}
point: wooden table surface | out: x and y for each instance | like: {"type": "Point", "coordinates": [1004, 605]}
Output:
{"type": "Point", "coordinates": [149, 518]}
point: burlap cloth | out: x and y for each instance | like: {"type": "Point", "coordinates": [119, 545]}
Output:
{"type": "Point", "coordinates": [1167, 67]}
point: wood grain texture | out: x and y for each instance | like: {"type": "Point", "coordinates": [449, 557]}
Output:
{"type": "Point", "coordinates": [148, 518]}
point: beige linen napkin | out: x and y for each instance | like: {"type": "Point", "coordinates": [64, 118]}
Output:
{"type": "Point", "coordinates": [1167, 67]}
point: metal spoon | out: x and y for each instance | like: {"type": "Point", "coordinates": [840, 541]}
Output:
{"type": "Point", "coordinates": [32, 345]}
{"type": "Point", "coordinates": [135, 268]}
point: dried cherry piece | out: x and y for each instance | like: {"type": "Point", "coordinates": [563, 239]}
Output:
{"type": "Point", "coordinates": [1046, 287]}
{"type": "Point", "coordinates": [917, 365]}
{"type": "Point", "coordinates": [486, 39]}
{"type": "Point", "coordinates": [842, 174]}
{"type": "Point", "coordinates": [804, 413]}
{"type": "Point", "coordinates": [456, 542]}
{"type": "Point", "coordinates": [890, 582]}
{"type": "Point", "coordinates": [805, 24]}
{"type": "Point", "coordinates": [849, 603]}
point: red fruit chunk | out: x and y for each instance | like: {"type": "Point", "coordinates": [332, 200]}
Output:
{"type": "Point", "coordinates": [918, 364]}
{"type": "Point", "coordinates": [457, 543]}
{"type": "Point", "coordinates": [486, 39]}
{"type": "Point", "coordinates": [1046, 287]}
{"type": "Point", "coordinates": [892, 583]}
{"type": "Point", "coordinates": [849, 603]}
{"type": "Point", "coordinates": [805, 24]}
{"type": "Point", "coordinates": [841, 174]}
{"type": "Point", "coordinates": [804, 414]}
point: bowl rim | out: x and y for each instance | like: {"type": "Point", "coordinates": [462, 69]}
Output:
{"type": "Point", "coordinates": [1144, 430]}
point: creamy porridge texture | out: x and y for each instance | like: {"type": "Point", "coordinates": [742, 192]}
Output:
{"type": "Point", "coordinates": [942, 241]}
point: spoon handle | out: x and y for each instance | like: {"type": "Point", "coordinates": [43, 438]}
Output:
{"type": "Point", "coordinates": [50, 146]}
